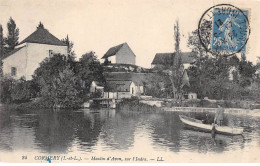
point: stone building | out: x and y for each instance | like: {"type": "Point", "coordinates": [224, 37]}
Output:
{"type": "Point", "coordinates": [120, 54]}
{"type": "Point", "coordinates": [27, 56]}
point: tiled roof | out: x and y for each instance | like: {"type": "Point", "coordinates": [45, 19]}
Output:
{"type": "Point", "coordinates": [113, 50]}
{"type": "Point", "coordinates": [163, 58]}
{"type": "Point", "coordinates": [167, 58]}
{"type": "Point", "coordinates": [43, 36]}
{"type": "Point", "coordinates": [12, 52]}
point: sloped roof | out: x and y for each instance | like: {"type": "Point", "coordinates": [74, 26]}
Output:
{"type": "Point", "coordinates": [166, 58]}
{"type": "Point", "coordinates": [43, 36]}
{"type": "Point", "coordinates": [163, 58]}
{"type": "Point", "coordinates": [118, 86]}
{"type": "Point", "coordinates": [12, 52]}
{"type": "Point", "coordinates": [113, 50]}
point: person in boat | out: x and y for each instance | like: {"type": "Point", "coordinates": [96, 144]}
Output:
{"type": "Point", "coordinates": [219, 116]}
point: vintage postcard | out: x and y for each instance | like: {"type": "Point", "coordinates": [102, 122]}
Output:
{"type": "Point", "coordinates": [129, 81]}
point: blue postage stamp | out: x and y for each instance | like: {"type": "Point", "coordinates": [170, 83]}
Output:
{"type": "Point", "coordinates": [230, 30]}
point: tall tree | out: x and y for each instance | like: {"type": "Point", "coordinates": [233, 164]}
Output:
{"type": "Point", "coordinates": [1, 49]}
{"type": "Point", "coordinates": [176, 71]}
{"type": "Point", "coordinates": [70, 45]}
{"type": "Point", "coordinates": [12, 36]}
{"type": "Point", "coordinates": [1, 42]}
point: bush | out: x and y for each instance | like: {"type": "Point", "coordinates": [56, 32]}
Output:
{"type": "Point", "coordinates": [133, 105]}
{"type": "Point", "coordinates": [17, 91]}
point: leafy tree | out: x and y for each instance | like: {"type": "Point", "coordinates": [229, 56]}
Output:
{"type": "Point", "coordinates": [5, 90]}
{"type": "Point", "coordinates": [89, 69]}
{"type": "Point", "coordinates": [209, 74]}
{"type": "Point", "coordinates": [12, 36]}
{"type": "Point", "coordinates": [1, 42]}
{"type": "Point", "coordinates": [57, 82]}
{"type": "Point", "coordinates": [70, 44]}
{"type": "Point", "coordinates": [177, 70]}
{"type": "Point", "coordinates": [64, 93]}
{"type": "Point", "coordinates": [246, 71]}
{"type": "Point", "coordinates": [23, 91]}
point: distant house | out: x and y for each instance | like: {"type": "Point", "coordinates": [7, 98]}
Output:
{"type": "Point", "coordinates": [137, 78]}
{"type": "Point", "coordinates": [26, 57]}
{"type": "Point", "coordinates": [118, 89]}
{"type": "Point", "coordinates": [121, 54]}
{"type": "Point", "coordinates": [168, 59]}
{"type": "Point", "coordinates": [96, 86]}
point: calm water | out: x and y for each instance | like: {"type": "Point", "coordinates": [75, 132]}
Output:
{"type": "Point", "coordinates": [109, 131]}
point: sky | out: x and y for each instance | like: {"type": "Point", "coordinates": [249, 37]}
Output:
{"type": "Point", "coordinates": [97, 25]}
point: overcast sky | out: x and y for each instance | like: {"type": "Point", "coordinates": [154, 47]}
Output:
{"type": "Point", "coordinates": [146, 25]}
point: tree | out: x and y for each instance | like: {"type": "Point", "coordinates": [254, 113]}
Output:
{"type": "Point", "coordinates": [70, 44]}
{"type": "Point", "coordinates": [1, 42]}
{"type": "Point", "coordinates": [177, 70]}
{"type": "Point", "coordinates": [89, 69]}
{"type": "Point", "coordinates": [1, 50]}
{"type": "Point", "coordinates": [58, 82]}
{"type": "Point", "coordinates": [246, 71]}
{"type": "Point", "coordinates": [12, 36]}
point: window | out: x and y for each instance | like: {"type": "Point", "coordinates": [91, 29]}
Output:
{"type": "Point", "coordinates": [132, 90]}
{"type": "Point", "coordinates": [50, 53]}
{"type": "Point", "coordinates": [13, 71]}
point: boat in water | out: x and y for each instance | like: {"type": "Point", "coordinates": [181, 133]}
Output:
{"type": "Point", "coordinates": [196, 124]}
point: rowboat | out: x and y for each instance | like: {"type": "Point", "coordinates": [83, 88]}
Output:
{"type": "Point", "coordinates": [198, 125]}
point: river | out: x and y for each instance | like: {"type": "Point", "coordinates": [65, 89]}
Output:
{"type": "Point", "coordinates": [110, 133]}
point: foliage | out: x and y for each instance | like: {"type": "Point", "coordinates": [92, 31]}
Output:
{"type": "Point", "coordinates": [176, 70]}
{"type": "Point", "coordinates": [2, 51]}
{"type": "Point", "coordinates": [17, 91]}
{"type": "Point", "coordinates": [216, 76]}
{"type": "Point", "coordinates": [133, 105]}
{"type": "Point", "coordinates": [89, 69]}
{"type": "Point", "coordinates": [70, 44]}
{"type": "Point", "coordinates": [159, 85]}
{"type": "Point", "coordinates": [58, 82]}
{"type": "Point", "coordinates": [13, 35]}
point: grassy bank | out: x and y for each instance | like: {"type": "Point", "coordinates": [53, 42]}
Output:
{"type": "Point", "coordinates": [133, 105]}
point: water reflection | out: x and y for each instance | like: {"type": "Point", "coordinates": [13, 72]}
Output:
{"type": "Point", "coordinates": [87, 130]}
{"type": "Point", "coordinates": [54, 132]}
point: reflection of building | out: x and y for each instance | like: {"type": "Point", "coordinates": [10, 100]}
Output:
{"type": "Point", "coordinates": [121, 54]}
{"type": "Point", "coordinates": [26, 57]}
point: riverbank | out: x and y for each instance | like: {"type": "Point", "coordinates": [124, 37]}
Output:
{"type": "Point", "coordinates": [255, 112]}
{"type": "Point", "coordinates": [136, 105]}
{"type": "Point", "coordinates": [204, 103]}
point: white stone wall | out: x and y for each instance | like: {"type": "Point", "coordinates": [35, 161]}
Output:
{"type": "Point", "coordinates": [17, 60]}
{"type": "Point", "coordinates": [37, 53]}
{"type": "Point", "coordinates": [112, 59]}
{"type": "Point", "coordinates": [125, 56]}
